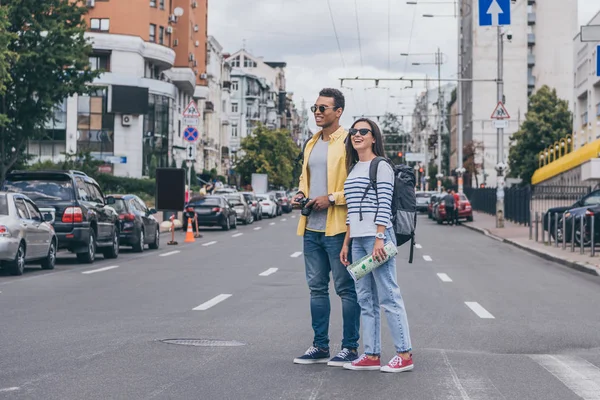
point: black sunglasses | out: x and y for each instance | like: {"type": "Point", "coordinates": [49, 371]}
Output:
{"type": "Point", "coordinates": [320, 108]}
{"type": "Point", "coordinates": [363, 131]}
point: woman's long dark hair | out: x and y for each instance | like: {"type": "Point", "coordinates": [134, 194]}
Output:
{"type": "Point", "coordinates": [352, 155]}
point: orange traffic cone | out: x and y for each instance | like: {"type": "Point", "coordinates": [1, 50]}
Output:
{"type": "Point", "coordinates": [189, 235]}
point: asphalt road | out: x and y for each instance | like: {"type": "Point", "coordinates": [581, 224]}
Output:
{"type": "Point", "coordinates": [500, 324]}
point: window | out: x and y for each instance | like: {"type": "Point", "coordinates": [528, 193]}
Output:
{"type": "Point", "coordinates": [224, 106]}
{"type": "Point", "coordinates": [34, 213]}
{"type": "Point", "coordinates": [152, 71]}
{"type": "Point", "coordinates": [236, 62]}
{"type": "Point", "coordinates": [21, 208]}
{"type": "Point", "coordinates": [100, 24]}
{"type": "Point", "coordinates": [152, 37]}
{"type": "Point", "coordinates": [157, 125]}
{"type": "Point", "coordinates": [235, 85]}
{"type": "Point", "coordinates": [100, 62]}
{"type": "Point", "coordinates": [234, 107]}
{"type": "Point", "coordinates": [152, 3]}
{"type": "Point", "coordinates": [598, 110]}
{"type": "Point", "coordinates": [95, 127]}
{"type": "Point", "coordinates": [234, 131]}
{"type": "Point", "coordinates": [249, 63]}
{"type": "Point", "coordinates": [95, 193]}
{"type": "Point", "coordinates": [161, 35]}
{"type": "Point", "coordinates": [162, 4]}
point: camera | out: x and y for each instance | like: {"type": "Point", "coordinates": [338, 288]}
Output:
{"type": "Point", "coordinates": [509, 35]}
{"type": "Point", "coordinates": [305, 210]}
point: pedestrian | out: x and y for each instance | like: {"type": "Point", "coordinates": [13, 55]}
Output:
{"type": "Point", "coordinates": [322, 181]}
{"type": "Point", "coordinates": [456, 206]}
{"type": "Point", "coordinates": [369, 227]}
{"type": "Point", "coordinates": [203, 190]}
{"type": "Point", "coordinates": [449, 206]}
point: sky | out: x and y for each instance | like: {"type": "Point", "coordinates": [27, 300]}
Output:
{"type": "Point", "coordinates": [371, 35]}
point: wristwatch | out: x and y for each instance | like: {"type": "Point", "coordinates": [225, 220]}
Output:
{"type": "Point", "coordinates": [380, 235]}
{"type": "Point", "coordinates": [331, 199]}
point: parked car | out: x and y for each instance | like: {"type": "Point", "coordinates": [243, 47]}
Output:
{"type": "Point", "coordinates": [138, 225]}
{"type": "Point", "coordinates": [465, 212]}
{"type": "Point", "coordinates": [254, 204]}
{"type": "Point", "coordinates": [548, 218]}
{"type": "Point", "coordinates": [211, 210]}
{"type": "Point", "coordinates": [25, 235]}
{"type": "Point", "coordinates": [224, 190]}
{"type": "Point", "coordinates": [241, 207]}
{"type": "Point", "coordinates": [573, 225]}
{"type": "Point", "coordinates": [433, 205]}
{"type": "Point", "coordinates": [269, 204]}
{"type": "Point", "coordinates": [423, 199]}
{"type": "Point", "coordinates": [83, 221]}
{"type": "Point", "coordinates": [284, 202]}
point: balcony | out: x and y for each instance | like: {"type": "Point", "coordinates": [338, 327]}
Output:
{"type": "Point", "coordinates": [531, 39]}
{"type": "Point", "coordinates": [530, 2]}
{"type": "Point", "coordinates": [530, 60]}
{"type": "Point", "coordinates": [531, 81]}
{"type": "Point", "coordinates": [209, 107]}
{"type": "Point", "coordinates": [227, 85]}
{"type": "Point", "coordinates": [531, 18]}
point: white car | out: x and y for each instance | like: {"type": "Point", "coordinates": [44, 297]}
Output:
{"type": "Point", "coordinates": [269, 204]}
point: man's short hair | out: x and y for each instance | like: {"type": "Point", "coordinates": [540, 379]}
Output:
{"type": "Point", "coordinates": [338, 97]}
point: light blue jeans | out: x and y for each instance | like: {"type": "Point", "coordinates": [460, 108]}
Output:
{"type": "Point", "coordinates": [378, 289]}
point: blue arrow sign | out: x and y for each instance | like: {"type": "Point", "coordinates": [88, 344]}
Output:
{"type": "Point", "coordinates": [598, 61]}
{"type": "Point", "coordinates": [494, 12]}
{"type": "Point", "coordinates": [190, 134]}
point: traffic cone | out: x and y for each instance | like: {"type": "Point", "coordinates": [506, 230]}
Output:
{"type": "Point", "coordinates": [189, 235]}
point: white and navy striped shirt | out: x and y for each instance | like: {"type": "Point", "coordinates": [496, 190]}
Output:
{"type": "Point", "coordinates": [354, 189]}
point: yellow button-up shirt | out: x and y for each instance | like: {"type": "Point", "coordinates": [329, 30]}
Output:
{"type": "Point", "coordinates": [336, 176]}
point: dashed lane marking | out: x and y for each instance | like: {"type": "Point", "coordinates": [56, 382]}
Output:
{"type": "Point", "coordinates": [418, 246]}
{"type": "Point", "coordinates": [100, 269]}
{"type": "Point", "coordinates": [444, 277]}
{"type": "Point", "coordinates": [212, 302]}
{"type": "Point", "coordinates": [170, 253]}
{"type": "Point", "coordinates": [296, 254]}
{"type": "Point", "coordinates": [209, 243]}
{"type": "Point", "coordinates": [427, 258]}
{"type": "Point", "coordinates": [258, 228]}
{"type": "Point", "coordinates": [268, 272]}
{"type": "Point", "coordinates": [479, 310]}
{"type": "Point", "coordinates": [272, 223]}
{"type": "Point", "coordinates": [283, 219]}
{"type": "Point", "coordinates": [237, 235]}
{"type": "Point", "coordinates": [10, 389]}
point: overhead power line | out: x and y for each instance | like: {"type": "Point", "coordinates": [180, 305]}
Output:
{"type": "Point", "coordinates": [358, 32]}
{"type": "Point", "coordinates": [337, 39]}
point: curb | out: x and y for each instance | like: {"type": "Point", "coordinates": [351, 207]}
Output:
{"type": "Point", "coordinates": [581, 267]}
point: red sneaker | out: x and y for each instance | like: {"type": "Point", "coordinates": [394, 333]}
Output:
{"type": "Point", "coordinates": [398, 364]}
{"type": "Point", "coordinates": [364, 363]}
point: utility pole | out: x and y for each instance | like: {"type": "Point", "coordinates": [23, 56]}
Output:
{"type": "Point", "coordinates": [500, 166]}
{"type": "Point", "coordinates": [438, 61]}
{"type": "Point", "coordinates": [460, 170]}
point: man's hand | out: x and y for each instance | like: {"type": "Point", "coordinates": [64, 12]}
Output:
{"type": "Point", "coordinates": [296, 198]}
{"type": "Point", "coordinates": [319, 203]}
{"type": "Point", "coordinates": [344, 255]}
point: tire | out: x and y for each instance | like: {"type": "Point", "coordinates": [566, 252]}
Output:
{"type": "Point", "coordinates": [17, 266]}
{"type": "Point", "coordinates": [138, 246]}
{"type": "Point", "coordinates": [234, 226]}
{"type": "Point", "coordinates": [113, 250]}
{"type": "Point", "coordinates": [227, 226]}
{"type": "Point", "coordinates": [90, 255]}
{"type": "Point", "coordinates": [50, 261]}
{"type": "Point", "coordinates": [156, 244]}
{"type": "Point", "coordinates": [251, 219]}
{"type": "Point", "coordinates": [470, 219]}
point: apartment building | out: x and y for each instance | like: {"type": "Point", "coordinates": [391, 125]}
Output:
{"type": "Point", "coordinates": [153, 57]}
{"type": "Point", "coordinates": [586, 113]}
{"type": "Point", "coordinates": [538, 54]}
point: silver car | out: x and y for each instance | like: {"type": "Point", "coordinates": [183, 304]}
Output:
{"type": "Point", "coordinates": [24, 234]}
{"type": "Point", "coordinates": [241, 207]}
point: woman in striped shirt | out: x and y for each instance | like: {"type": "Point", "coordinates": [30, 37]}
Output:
{"type": "Point", "coordinates": [369, 228]}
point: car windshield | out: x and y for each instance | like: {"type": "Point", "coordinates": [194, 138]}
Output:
{"type": "Point", "coordinates": [3, 205]}
{"type": "Point", "coordinates": [249, 197]}
{"type": "Point", "coordinates": [119, 206]}
{"type": "Point", "coordinates": [423, 195]}
{"type": "Point", "coordinates": [233, 198]}
{"type": "Point", "coordinates": [41, 189]}
{"type": "Point", "coordinates": [208, 201]}
{"type": "Point", "coordinates": [262, 198]}
{"type": "Point", "coordinates": [592, 200]}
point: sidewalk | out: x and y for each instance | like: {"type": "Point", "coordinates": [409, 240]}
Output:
{"type": "Point", "coordinates": [518, 236]}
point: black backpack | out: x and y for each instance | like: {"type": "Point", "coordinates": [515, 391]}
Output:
{"type": "Point", "coordinates": [404, 201]}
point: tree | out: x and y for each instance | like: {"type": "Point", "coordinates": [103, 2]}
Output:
{"type": "Point", "coordinates": [548, 119]}
{"type": "Point", "coordinates": [47, 54]}
{"type": "Point", "coordinates": [394, 138]}
{"type": "Point", "coordinates": [471, 149]}
{"type": "Point", "coordinates": [271, 152]}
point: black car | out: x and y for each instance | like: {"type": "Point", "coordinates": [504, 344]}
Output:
{"type": "Point", "coordinates": [211, 210]}
{"type": "Point", "coordinates": [138, 225]}
{"type": "Point", "coordinates": [549, 219]}
{"type": "Point", "coordinates": [83, 220]}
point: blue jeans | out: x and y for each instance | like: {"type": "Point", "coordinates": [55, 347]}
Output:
{"type": "Point", "coordinates": [322, 256]}
{"type": "Point", "coordinates": [378, 289]}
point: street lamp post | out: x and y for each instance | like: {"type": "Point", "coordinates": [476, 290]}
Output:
{"type": "Point", "coordinates": [501, 167]}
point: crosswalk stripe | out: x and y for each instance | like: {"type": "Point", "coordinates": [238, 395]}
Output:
{"type": "Point", "coordinates": [579, 375]}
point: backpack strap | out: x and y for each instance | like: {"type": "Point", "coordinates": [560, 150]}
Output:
{"type": "Point", "coordinates": [412, 243]}
{"type": "Point", "coordinates": [372, 183]}
{"type": "Point", "coordinates": [300, 157]}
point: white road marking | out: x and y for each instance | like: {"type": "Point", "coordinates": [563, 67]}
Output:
{"type": "Point", "coordinates": [10, 389]}
{"type": "Point", "coordinates": [296, 254]}
{"type": "Point", "coordinates": [463, 393]}
{"type": "Point", "coordinates": [258, 228]}
{"type": "Point", "coordinates": [237, 235]}
{"type": "Point", "coordinates": [479, 310]}
{"type": "Point", "coordinates": [212, 302]}
{"type": "Point", "coordinates": [170, 253]}
{"type": "Point", "coordinates": [418, 246]}
{"type": "Point", "coordinates": [209, 243]}
{"type": "Point", "coordinates": [427, 258]}
{"type": "Point", "coordinates": [283, 219]}
{"type": "Point", "coordinates": [272, 223]}
{"type": "Point", "coordinates": [579, 375]}
{"type": "Point", "coordinates": [100, 269]}
{"type": "Point", "coordinates": [293, 216]}
{"type": "Point", "coordinates": [444, 277]}
{"type": "Point", "coordinates": [268, 272]}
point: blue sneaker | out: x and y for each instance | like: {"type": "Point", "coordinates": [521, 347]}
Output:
{"type": "Point", "coordinates": [343, 357]}
{"type": "Point", "coordinates": [313, 355]}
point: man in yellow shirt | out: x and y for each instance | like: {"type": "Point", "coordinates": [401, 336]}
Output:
{"type": "Point", "coordinates": [322, 180]}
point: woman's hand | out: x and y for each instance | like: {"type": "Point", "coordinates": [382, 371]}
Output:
{"type": "Point", "coordinates": [344, 255]}
{"type": "Point", "coordinates": [379, 253]}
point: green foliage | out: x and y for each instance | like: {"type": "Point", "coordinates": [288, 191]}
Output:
{"type": "Point", "coordinates": [394, 138]}
{"type": "Point", "coordinates": [193, 176]}
{"type": "Point", "coordinates": [153, 166]}
{"type": "Point", "coordinates": [43, 45]}
{"type": "Point", "coordinates": [548, 119]}
{"type": "Point", "coordinates": [271, 152]}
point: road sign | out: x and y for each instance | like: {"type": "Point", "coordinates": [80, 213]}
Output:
{"type": "Point", "coordinates": [500, 123]}
{"type": "Point", "coordinates": [415, 157]}
{"type": "Point", "coordinates": [191, 110]}
{"type": "Point", "coordinates": [190, 152]}
{"type": "Point", "coordinates": [500, 112]}
{"type": "Point", "coordinates": [590, 33]}
{"type": "Point", "coordinates": [598, 61]}
{"type": "Point", "coordinates": [191, 134]}
{"type": "Point", "coordinates": [191, 121]}
{"type": "Point", "coordinates": [494, 12]}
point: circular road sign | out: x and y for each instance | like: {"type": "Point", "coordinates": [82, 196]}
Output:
{"type": "Point", "coordinates": [190, 134]}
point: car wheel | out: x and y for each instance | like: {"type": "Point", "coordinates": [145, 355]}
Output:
{"type": "Point", "coordinates": [90, 255]}
{"type": "Point", "coordinates": [113, 250]}
{"type": "Point", "coordinates": [138, 246]}
{"type": "Point", "coordinates": [227, 226]}
{"type": "Point", "coordinates": [234, 226]}
{"type": "Point", "coordinates": [155, 245]}
{"type": "Point", "coordinates": [17, 266]}
{"type": "Point", "coordinates": [470, 219]}
{"type": "Point", "coordinates": [250, 219]}
{"type": "Point", "coordinates": [50, 261]}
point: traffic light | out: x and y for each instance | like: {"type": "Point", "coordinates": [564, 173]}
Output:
{"type": "Point", "coordinates": [421, 170]}
{"type": "Point", "coordinates": [400, 154]}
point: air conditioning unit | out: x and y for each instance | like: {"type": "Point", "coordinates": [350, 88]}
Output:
{"type": "Point", "coordinates": [197, 43]}
{"type": "Point", "coordinates": [191, 57]}
{"type": "Point", "coordinates": [172, 18]}
{"type": "Point", "coordinates": [126, 119]}
{"type": "Point", "coordinates": [196, 29]}
{"type": "Point", "coordinates": [195, 64]}
{"type": "Point", "coordinates": [203, 76]}
{"type": "Point", "coordinates": [90, 3]}
{"type": "Point", "coordinates": [169, 29]}
{"type": "Point", "coordinates": [194, 4]}
{"type": "Point", "coordinates": [175, 42]}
